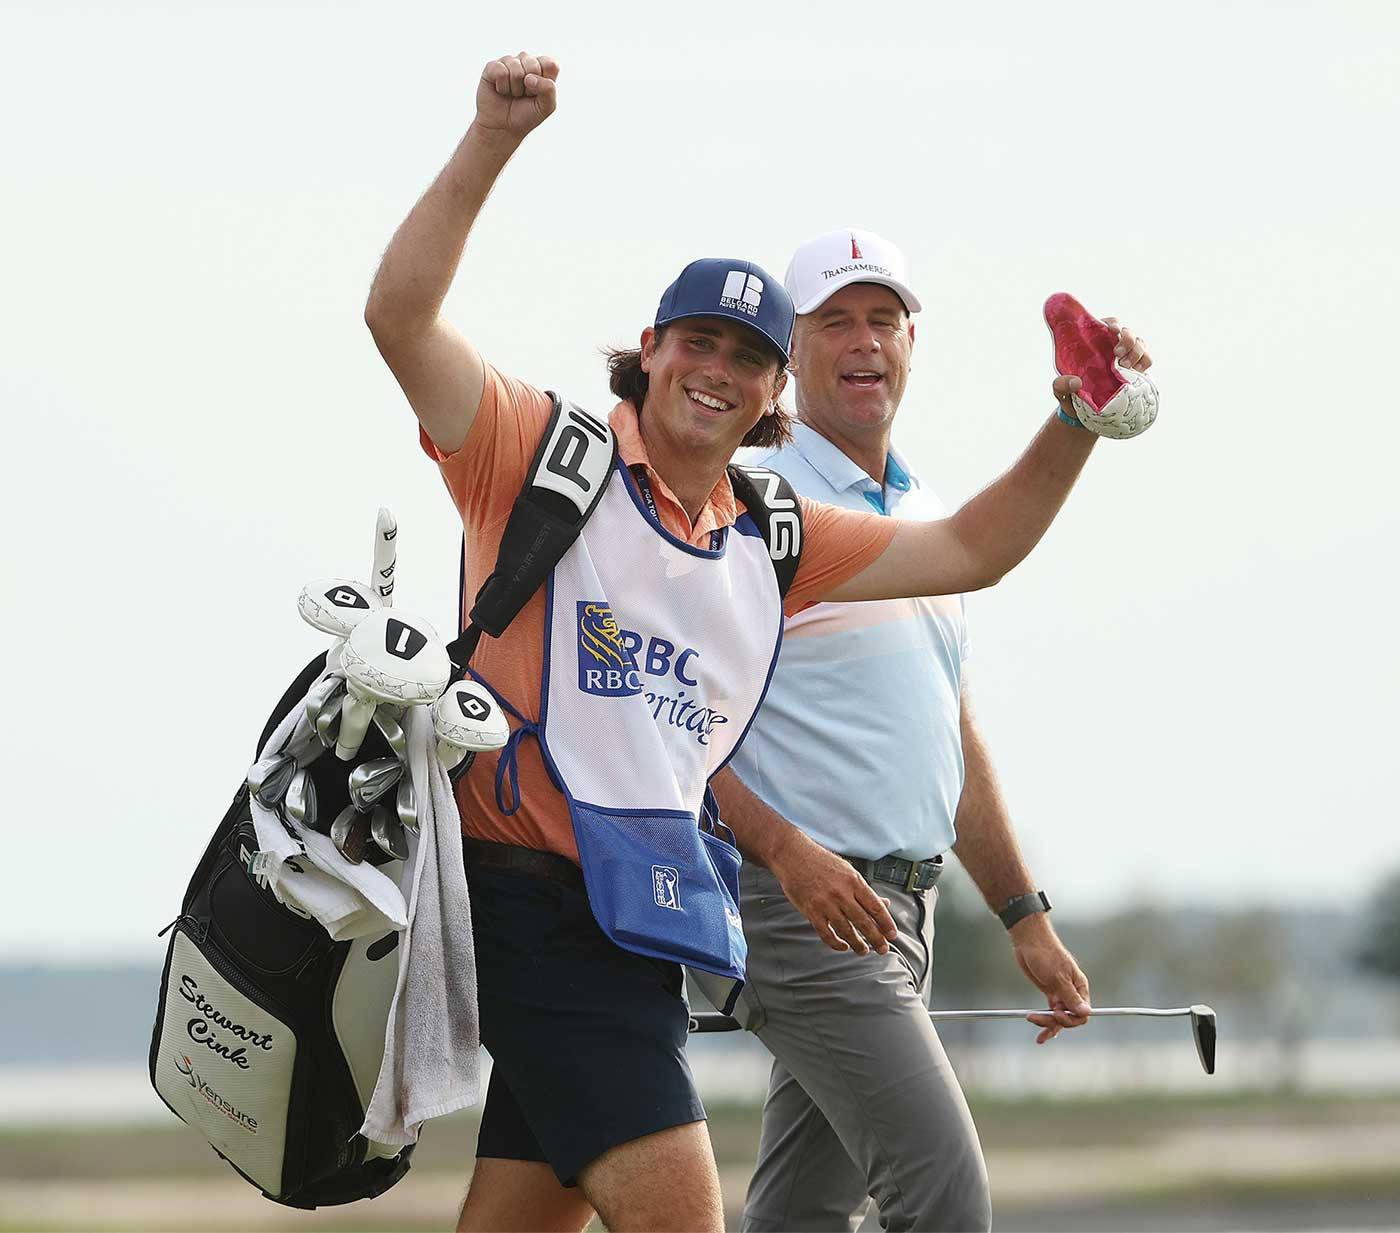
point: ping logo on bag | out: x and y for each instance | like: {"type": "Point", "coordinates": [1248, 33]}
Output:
{"type": "Point", "coordinates": [605, 666]}
{"type": "Point", "coordinates": [666, 887]}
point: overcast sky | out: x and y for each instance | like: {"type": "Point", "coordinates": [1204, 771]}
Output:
{"type": "Point", "coordinates": [1190, 687]}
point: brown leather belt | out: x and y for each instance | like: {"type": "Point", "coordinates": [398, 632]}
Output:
{"type": "Point", "coordinates": [527, 862]}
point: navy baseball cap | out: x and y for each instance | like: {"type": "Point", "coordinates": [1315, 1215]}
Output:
{"type": "Point", "coordinates": [740, 290]}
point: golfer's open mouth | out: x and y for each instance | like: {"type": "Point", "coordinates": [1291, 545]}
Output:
{"type": "Point", "coordinates": [863, 379]}
{"type": "Point", "coordinates": [709, 402]}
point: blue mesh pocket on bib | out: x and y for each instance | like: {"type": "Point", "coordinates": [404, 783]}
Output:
{"type": "Point", "coordinates": [660, 886]}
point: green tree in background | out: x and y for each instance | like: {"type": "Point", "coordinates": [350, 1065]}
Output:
{"type": "Point", "coordinates": [1380, 950]}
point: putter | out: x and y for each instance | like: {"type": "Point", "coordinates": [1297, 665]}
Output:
{"type": "Point", "coordinates": [269, 778]}
{"type": "Point", "coordinates": [1202, 1022]}
{"type": "Point", "coordinates": [299, 801]}
{"type": "Point", "coordinates": [349, 832]}
{"type": "Point", "coordinates": [371, 780]}
{"type": "Point", "coordinates": [406, 805]}
{"type": "Point", "coordinates": [385, 830]}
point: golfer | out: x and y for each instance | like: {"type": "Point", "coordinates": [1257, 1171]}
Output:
{"type": "Point", "coordinates": [667, 608]}
{"type": "Point", "coordinates": [861, 1099]}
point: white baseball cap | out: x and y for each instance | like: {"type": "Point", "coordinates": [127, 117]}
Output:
{"type": "Point", "coordinates": [821, 267]}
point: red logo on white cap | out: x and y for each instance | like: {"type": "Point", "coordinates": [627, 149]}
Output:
{"type": "Point", "coordinates": [855, 249]}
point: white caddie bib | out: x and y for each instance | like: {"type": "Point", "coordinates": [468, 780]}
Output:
{"type": "Point", "coordinates": [657, 657]}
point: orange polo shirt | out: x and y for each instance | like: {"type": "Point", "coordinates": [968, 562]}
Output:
{"type": "Point", "coordinates": [484, 478]}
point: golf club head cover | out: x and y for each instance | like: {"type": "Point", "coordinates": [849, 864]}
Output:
{"type": "Point", "coordinates": [390, 657]}
{"type": "Point", "coordinates": [1111, 402]}
{"type": "Point", "coordinates": [336, 605]}
{"type": "Point", "coordinates": [467, 720]}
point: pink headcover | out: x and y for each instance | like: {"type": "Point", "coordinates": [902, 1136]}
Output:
{"type": "Point", "coordinates": [1084, 349]}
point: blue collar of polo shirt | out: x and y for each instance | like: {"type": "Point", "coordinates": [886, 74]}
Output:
{"type": "Point", "coordinates": [843, 473]}
{"type": "Point", "coordinates": [827, 459]}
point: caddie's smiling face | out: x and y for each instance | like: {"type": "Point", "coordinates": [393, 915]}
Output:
{"type": "Point", "coordinates": [851, 359]}
{"type": "Point", "coordinates": [710, 381]}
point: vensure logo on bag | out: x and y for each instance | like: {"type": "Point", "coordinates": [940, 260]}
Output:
{"type": "Point", "coordinates": [605, 666]}
{"type": "Point", "coordinates": [231, 1111]}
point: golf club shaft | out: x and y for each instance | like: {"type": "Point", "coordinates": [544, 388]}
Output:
{"type": "Point", "coordinates": [712, 1021]}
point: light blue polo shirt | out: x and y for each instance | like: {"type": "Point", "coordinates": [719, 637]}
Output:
{"type": "Point", "coordinates": [858, 741]}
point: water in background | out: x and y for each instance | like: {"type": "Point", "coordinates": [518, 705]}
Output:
{"type": "Point", "coordinates": [735, 1071]}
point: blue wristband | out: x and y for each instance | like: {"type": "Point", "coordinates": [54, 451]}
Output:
{"type": "Point", "coordinates": [1069, 419]}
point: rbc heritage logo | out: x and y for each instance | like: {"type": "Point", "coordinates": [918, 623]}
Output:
{"type": "Point", "coordinates": [666, 887]}
{"type": "Point", "coordinates": [605, 666]}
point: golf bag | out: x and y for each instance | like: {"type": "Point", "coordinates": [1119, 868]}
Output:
{"type": "Point", "coordinates": [269, 1035]}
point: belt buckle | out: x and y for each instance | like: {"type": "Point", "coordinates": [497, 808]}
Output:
{"type": "Point", "coordinates": [914, 867]}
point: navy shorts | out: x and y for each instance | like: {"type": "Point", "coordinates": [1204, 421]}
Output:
{"type": "Point", "coordinates": [587, 1040]}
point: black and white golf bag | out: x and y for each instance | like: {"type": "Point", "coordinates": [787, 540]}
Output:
{"type": "Point", "coordinates": [269, 1035]}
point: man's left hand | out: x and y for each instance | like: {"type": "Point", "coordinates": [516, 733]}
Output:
{"type": "Point", "coordinates": [1052, 970]}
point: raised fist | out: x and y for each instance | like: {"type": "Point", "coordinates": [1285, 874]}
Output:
{"type": "Point", "coordinates": [515, 94]}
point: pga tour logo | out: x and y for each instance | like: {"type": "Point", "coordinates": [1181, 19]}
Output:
{"type": "Point", "coordinates": [666, 887]}
{"type": "Point", "coordinates": [742, 292]}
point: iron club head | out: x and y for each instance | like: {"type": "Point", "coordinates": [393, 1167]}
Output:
{"type": "Point", "coordinates": [406, 805]}
{"type": "Point", "coordinates": [299, 802]}
{"type": "Point", "coordinates": [1203, 1032]}
{"type": "Point", "coordinates": [371, 780]}
{"type": "Point", "coordinates": [391, 729]}
{"type": "Point", "coordinates": [269, 778]}
{"type": "Point", "coordinates": [328, 720]}
{"type": "Point", "coordinates": [349, 832]}
{"type": "Point", "coordinates": [321, 693]}
{"type": "Point", "coordinates": [385, 830]}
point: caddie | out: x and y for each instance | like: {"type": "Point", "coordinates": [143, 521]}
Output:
{"type": "Point", "coordinates": [631, 678]}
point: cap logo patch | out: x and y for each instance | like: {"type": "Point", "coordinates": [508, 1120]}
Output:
{"type": "Point", "coordinates": [855, 249]}
{"type": "Point", "coordinates": [862, 266]}
{"type": "Point", "coordinates": [742, 293]}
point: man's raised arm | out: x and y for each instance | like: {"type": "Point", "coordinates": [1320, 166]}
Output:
{"type": "Point", "coordinates": [440, 371]}
{"type": "Point", "coordinates": [996, 529]}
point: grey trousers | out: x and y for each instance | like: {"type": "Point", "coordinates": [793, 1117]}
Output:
{"type": "Point", "coordinates": [861, 1100]}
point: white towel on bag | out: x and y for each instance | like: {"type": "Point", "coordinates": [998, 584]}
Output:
{"type": "Point", "coordinates": [431, 1065]}
{"type": "Point", "coordinates": [431, 1047]}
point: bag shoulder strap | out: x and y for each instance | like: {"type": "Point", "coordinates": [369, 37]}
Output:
{"type": "Point", "coordinates": [772, 503]}
{"type": "Point", "coordinates": [566, 480]}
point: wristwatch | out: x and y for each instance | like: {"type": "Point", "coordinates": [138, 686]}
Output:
{"type": "Point", "coordinates": [1022, 906]}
